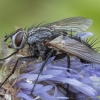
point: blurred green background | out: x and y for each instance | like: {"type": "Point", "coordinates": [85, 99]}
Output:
{"type": "Point", "coordinates": [24, 13]}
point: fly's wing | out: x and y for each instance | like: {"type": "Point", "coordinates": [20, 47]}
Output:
{"type": "Point", "coordinates": [76, 48]}
{"type": "Point", "coordinates": [75, 24]}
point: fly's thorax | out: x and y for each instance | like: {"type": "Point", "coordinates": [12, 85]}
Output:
{"type": "Point", "coordinates": [40, 34]}
{"type": "Point", "coordinates": [18, 39]}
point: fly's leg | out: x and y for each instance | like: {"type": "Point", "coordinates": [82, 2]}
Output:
{"type": "Point", "coordinates": [68, 66]}
{"type": "Point", "coordinates": [68, 61]}
{"type": "Point", "coordinates": [60, 56]}
{"type": "Point", "coordinates": [49, 55]}
{"type": "Point", "coordinates": [28, 58]}
{"type": "Point", "coordinates": [9, 56]}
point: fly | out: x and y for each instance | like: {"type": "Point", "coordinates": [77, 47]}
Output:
{"type": "Point", "coordinates": [44, 40]}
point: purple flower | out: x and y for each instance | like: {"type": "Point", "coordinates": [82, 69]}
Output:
{"type": "Point", "coordinates": [53, 77]}
{"type": "Point", "coordinates": [83, 79]}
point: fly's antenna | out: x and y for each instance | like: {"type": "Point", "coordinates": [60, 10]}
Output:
{"type": "Point", "coordinates": [7, 36]}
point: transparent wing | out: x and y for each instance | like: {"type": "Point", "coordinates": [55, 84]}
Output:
{"type": "Point", "coordinates": [76, 48]}
{"type": "Point", "coordinates": [76, 24]}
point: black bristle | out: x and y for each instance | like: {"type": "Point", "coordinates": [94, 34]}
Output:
{"type": "Point", "coordinates": [88, 42]}
{"type": "Point", "coordinates": [95, 43]}
{"type": "Point", "coordinates": [90, 39]}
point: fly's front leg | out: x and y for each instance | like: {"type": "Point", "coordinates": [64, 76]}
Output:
{"type": "Point", "coordinates": [9, 56]}
{"type": "Point", "coordinates": [28, 58]}
{"type": "Point", "coordinates": [60, 56]}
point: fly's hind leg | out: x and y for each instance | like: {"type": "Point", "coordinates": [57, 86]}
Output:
{"type": "Point", "coordinates": [60, 56]}
{"type": "Point", "coordinates": [68, 66]}
{"type": "Point", "coordinates": [68, 61]}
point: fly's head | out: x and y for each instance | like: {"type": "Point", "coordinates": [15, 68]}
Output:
{"type": "Point", "coordinates": [18, 39]}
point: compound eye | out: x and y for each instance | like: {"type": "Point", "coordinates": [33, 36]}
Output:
{"type": "Point", "coordinates": [19, 37]}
